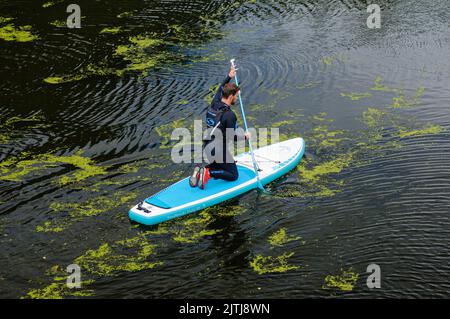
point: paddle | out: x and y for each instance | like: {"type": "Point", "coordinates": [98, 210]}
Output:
{"type": "Point", "coordinates": [255, 165]}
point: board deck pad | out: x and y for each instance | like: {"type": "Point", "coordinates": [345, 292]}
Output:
{"type": "Point", "coordinates": [180, 199]}
{"type": "Point", "coordinates": [182, 193]}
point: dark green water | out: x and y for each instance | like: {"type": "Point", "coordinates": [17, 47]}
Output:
{"type": "Point", "coordinates": [85, 119]}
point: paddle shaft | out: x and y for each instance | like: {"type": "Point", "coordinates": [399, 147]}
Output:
{"type": "Point", "coordinates": [255, 165]}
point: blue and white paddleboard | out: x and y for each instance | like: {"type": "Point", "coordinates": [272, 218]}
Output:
{"type": "Point", "coordinates": [180, 199]}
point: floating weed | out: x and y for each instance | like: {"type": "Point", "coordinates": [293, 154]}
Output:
{"type": "Point", "coordinates": [63, 79]}
{"type": "Point", "coordinates": [256, 107]}
{"type": "Point", "coordinates": [345, 281]}
{"type": "Point", "coordinates": [48, 227]}
{"type": "Point", "coordinates": [373, 117]}
{"type": "Point", "coordinates": [331, 167]}
{"type": "Point", "coordinates": [322, 138]}
{"type": "Point", "coordinates": [59, 290]}
{"type": "Point", "coordinates": [283, 123]}
{"type": "Point", "coordinates": [427, 130]}
{"type": "Point", "coordinates": [331, 59]}
{"type": "Point", "coordinates": [311, 191]}
{"type": "Point", "coordinates": [58, 23]}
{"type": "Point", "coordinates": [9, 126]}
{"type": "Point", "coordinates": [280, 238]}
{"type": "Point", "coordinates": [165, 131]}
{"type": "Point", "coordinates": [4, 139]}
{"type": "Point", "coordinates": [113, 30]}
{"type": "Point", "coordinates": [125, 14]}
{"type": "Point", "coordinates": [308, 85]}
{"type": "Point", "coordinates": [79, 210]}
{"type": "Point", "coordinates": [225, 210]}
{"type": "Point", "coordinates": [137, 165]}
{"type": "Point", "coordinates": [321, 117]}
{"type": "Point", "coordinates": [356, 96]}
{"type": "Point", "coordinates": [183, 102]}
{"type": "Point", "coordinates": [129, 255]}
{"type": "Point", "coordinates": [269, 264]}
{"type": "Point", "coordinates": [51, 3]}
{"type": "Point", "coordinates": [145, 41]}
{"type": "Point", "coordinates": [18, 34]}
{"type": "Point", "coordinates": [402, 101]}
{"type": "Point", "coordinates": [277, 94]}
{"type": "Point", "coordinates": [195, 228]}
{"type": "Point", "coordinates": [380, 87]}
{"type": "Point", "coordinates": [5, 19]}
{"type": "Point", "coordinates": [16, 169]}
{"type": "Point", "coordinates": [327, 60]}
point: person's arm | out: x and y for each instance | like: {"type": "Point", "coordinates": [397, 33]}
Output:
{"type": "Point", "coordinates": [218, 96]}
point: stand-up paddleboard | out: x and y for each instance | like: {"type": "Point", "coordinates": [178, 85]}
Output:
{"type": "Point", "coordinates": [180, 199]}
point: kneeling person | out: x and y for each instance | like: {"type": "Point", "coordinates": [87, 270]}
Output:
{"type": "Point", "coordinates": [220, 117]}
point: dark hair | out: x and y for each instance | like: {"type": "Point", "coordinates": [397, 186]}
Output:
{"type": "Point", "coordinates": [230, 89]}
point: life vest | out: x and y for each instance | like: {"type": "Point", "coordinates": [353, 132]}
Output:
{"type": "Point", "coordinates": [213, 120]}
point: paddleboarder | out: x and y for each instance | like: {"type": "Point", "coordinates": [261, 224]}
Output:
{"type": "Point", "coordinates": [222, 126]}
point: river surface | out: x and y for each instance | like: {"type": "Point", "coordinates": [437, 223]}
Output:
{"type": "Point", "coordinates": [85, 123]}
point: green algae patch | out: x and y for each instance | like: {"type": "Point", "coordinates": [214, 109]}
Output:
{"type": "Point", "coordinates": [79, 210]}
{"type": "Point", "coordinates": [428, 130]}
{"type": "Point", "coordinates": [18, 34]}
{"type": "Point", "coordinates": [137, 165]}
{"type": "Point", "coordinates": [125, 14]}
{"type": "Point", "coordinates": [129, 255]}
{"type": "Point", "coordinates": [5, 19]}
{"type": "Point", "coordinates": [165, 131]}
{"type": "Point", "coordinates": [145, 41]}
{"type": "Point", "coordinates": [32, 121]}
{"type": "Point", "coordinates": [402, 101]}
{"type": "Point", "coordinates": [225, 211]}
{"type": "Point", "coordinates": [380, 87]}
{"type": "Point", "coordinates": [322, 117]}
{"type": "Point", "coordinates": [283, 123]}
{"type": "Point", "coordinates": [64, 79]}
{"type": "Point", "coordinates": [308, 85]}
{"type": "Point", "coordinates": [58, 23]}
{"type": "Point", "coordinates": [327, 60]}
{"type": "Point", "coordinates": [17, 169]}
{"type": "Point", "coordinates": [49, 227]}
{"type": "Point", "coordinates": [345, 281]}
{"type": "Point", "coordinates": [4, 139]}
{"type": "Point", "coordinates": [330, 60]}
{"type": "Point", "coordinates": [269, 264]}
{"type": "Point", "coordinates": [323, 138]}
{"type": "Point", "coordinates": [373, 117]}
{"type": "Point", "coordinates": [195, 229]}
{"type": "Point", "coordinates": [109, 259]}
{"type": "Point", "coordinates": [49, 4]}
{"type": "Point", "coordinates": [334, 166]}
{"type": "Point", "coordinates": [183, 102]}
{"type": "Point", "coordinates": [136, 54]}
{"type": "Point", "coordinates": [354, 96]}
{"type": "Point", "coordinates": [112, 30]}
{"type": "Point", "coordinates": [59, 290]}
{"type": "Point", "coordinates": [280, 238]}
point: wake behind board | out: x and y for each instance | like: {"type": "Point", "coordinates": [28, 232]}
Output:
{"type": "Point", "coordinates": [180, 199]}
